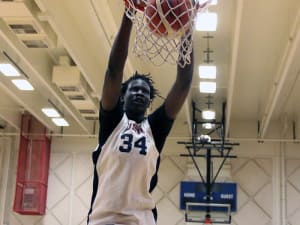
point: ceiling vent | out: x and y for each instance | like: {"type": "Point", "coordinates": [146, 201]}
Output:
{"type": "Point", "coordinates": [91, 117]}
{"type": "Point", "coordinates": [21, 18]}
{"type": "Point", "coordinates": [70, 81]}
{"type": "Point", "coordinates": [69, 89]}
{"type": "Point", "coordinates": [76, 97]}
{"type": "Point", "coordinates": [35, 44]}
{"type": "Point", "coordinates": [23, 28]}
{"type": "Point", "coordinates": [87, 111]}
{"type": "Point", "coordinates": [89, 114]}
{"type": "Point", "coordinates": [30, 34]}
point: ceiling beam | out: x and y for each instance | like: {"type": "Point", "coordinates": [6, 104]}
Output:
{"type": "Point", "coordinates": [38, 65]}
{"type": "Point", "coordinates": [29, 101]}
{"type": "Point", "coordinates": [292, 47]}
{"type": "Point", "coordinates": [233, 63]}
{"type": "Point", "coordinates": [78, 29]}
{"type": "Point", "coordinates": [107, 21]}
{"type": "Point", "coordinates": [11, 116]}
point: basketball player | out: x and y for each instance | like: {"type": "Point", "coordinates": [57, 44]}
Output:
{"type": "Point", "coordinates": [127, 157]}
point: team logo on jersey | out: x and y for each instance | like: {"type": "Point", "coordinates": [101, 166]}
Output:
{"type": "Point", "coordinates": [135, 127]}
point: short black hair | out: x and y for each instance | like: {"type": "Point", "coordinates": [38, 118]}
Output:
{"type": "Point", "coordinates": [145, 77]}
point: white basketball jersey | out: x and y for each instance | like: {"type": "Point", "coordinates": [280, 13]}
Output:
{"type": "Point", "coordinates": [125, 167]}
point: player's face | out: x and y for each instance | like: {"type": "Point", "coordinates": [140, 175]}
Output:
{"type": "Point", "coordinates": [137, 97]}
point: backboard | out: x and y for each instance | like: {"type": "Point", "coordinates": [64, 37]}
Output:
{"type": "Point", "coordinates": [196, 212]}
{"type": "Point", "coordinates": [218, 203]}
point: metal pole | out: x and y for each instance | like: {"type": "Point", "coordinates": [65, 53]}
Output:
{"type": "Point", "coordinates": [208, 179]}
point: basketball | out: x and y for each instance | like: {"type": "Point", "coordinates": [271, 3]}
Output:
{"type": "Point", "coordinates": [166, 17]}
{"type": "Point", "coordinates": [138, 4]}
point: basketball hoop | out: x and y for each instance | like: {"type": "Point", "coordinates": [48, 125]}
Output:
{"type": "Point", "coordinates": [207, 220]}
{"type": "Point", "coordinates": [164, 29]}
{"type": "Point", "coordinates": [197, 212]}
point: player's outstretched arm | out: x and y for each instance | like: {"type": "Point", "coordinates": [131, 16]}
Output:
{"type": "Point", "coordinates": [180, 89]}
{"type": "Point", "coordinates": [116, 63]}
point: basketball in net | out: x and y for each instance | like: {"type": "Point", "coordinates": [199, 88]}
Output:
{"type": "Point", "coordinates": [164, 28]}
{"type": "Point", "coordinates": [169, 17]}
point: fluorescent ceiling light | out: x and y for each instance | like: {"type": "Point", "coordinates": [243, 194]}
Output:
{"type": "Point", "coordinates": [206, 21]}
{"type": "Point", "coordinates": [207, 72]}
{"type": "Point", "coordinates": [60, 122]}
{"type": "Point", "coordinates": [207, 87]}
{"type": "Point", "coordinates": [22, 84]}
{"type": "Point", "coordinates": [9, 70]}
{"type": "Point", "coordinates": [207, 126]}
{"type": "Point", "coordinates": [208, 114]}
{"type": "Point", "coordinates": [50, 112]}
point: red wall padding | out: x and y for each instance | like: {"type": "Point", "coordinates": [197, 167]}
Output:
{"type": "Point", "coordinates": [33, 168]}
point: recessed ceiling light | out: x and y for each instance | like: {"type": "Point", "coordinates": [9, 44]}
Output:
{"type": "Point", "coordinates": [207, 87]}
{"type": "Point", "coordinates": [50, 112]}
{"type": "Point", "coordinates": [23, 85]}
{"type": "Point", "coordinates": [206, 21]}
{"type": "Point", "coordinates": [207, 72]}
{"type": "Point", "coordinates": [9, 70]}
{"type": "Point", "coordinates": [208, 114]}
{"type": "Point", "coordinates": [60, 122]}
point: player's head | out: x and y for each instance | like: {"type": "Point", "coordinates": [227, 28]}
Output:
{"type": "Point", "coordinates": [145, 77]}
{"type": "Point", "coordinates": [137, 93]}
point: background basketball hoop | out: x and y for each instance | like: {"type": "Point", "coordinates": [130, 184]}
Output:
{"type": "Point", "coordinates": [164, 29]}
{"type": "Point", "coordinates": [207, 220]}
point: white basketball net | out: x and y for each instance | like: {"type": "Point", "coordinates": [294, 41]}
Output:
{"type": "Point", "coordinates": [170, 39]}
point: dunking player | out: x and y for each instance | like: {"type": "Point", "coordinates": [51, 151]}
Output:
{"type": "Point", "coordinates": [127, 158]}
